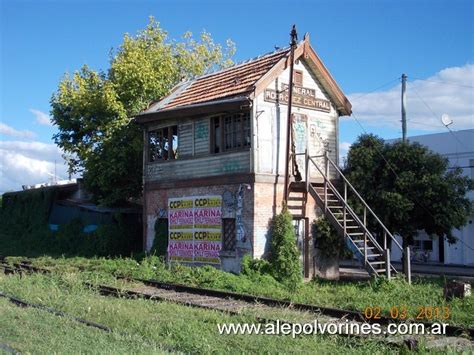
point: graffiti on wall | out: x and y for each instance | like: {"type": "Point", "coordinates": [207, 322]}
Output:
{"type": "Point", "coordinates": [239, 223]}
{"type": "Point", "coordinates": [202, 130]}
{"type": "Point", "coordinates": [319, 144]}
{"type": "Point", "coordinates": [231, 166]}
{"type": "Point", "coordinates": [300, 138]}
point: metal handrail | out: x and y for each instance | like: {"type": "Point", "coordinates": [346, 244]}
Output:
{"type": "Point", "coordinates": [351, 212]}
{"type": "Point", "coordinates": [363, 201]}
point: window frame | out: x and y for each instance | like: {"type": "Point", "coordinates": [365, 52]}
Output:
{"type": "Point", "coordinates": [175, 154]}
{"type": "Point", "coordinates": [226, 237]}
{"type": "Point", "coordinates": [224, 134]}
{"type": "Point", "coordinates": [298, 74]}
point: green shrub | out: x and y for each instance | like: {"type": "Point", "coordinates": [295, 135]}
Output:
{"type": "Point", "coordinates": [254, 266]}
{"type": "Point", "coordinates": [160, 242]}
{"type": "Point", "coordinates": [26, 211]}
{"type": "Point", "coordinates": [284, 256]}
{"type": "Point", "coordinates": [326, 239]}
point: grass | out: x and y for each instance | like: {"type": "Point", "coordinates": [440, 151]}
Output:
{"type": "Point", "coordinates": [150, 326]}
{"type": "Point", "coordinates": [34, 331]}
{"type": "Point", "coordinates": [348, 295]}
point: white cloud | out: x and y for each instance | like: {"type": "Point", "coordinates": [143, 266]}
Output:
{"type": "Point", "coordinates": [41, 117]}
{"type": "Point", "coordinates": [12, 132]}
{"type": "Point", "coordinates": [450, 91]}
{"type": "Point", "coordinates": [29, 163]}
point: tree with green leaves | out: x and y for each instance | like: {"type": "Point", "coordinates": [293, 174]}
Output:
{"type": "Point", "coordinates": [93, 110]}
{"type": "Point", "coordinates": [409, 187]}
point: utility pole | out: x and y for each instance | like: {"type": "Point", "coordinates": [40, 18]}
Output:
{"type": "Point", "coordinates": [294, 38]}
{"type": "Point", "coordinates": [404, 111]}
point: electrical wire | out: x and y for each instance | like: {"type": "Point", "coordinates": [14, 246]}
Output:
{"type": "Point", "coordinates": [376, 89]}
{"type": "Point", "coordinates": [424, 123]}
{"type": "Point", "coordinates": [437, 117]}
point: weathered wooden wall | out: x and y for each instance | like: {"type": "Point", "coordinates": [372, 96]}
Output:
{"type": "Point", "coordinates": [270, 127]}
{"type": "Point", "coordinates": [194, 157]}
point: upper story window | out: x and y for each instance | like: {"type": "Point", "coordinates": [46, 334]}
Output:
{"type": "Point", "coordinates": [298, 78]}
{"type": "Point", "coordinates": [163, 144]}
{"type": "Point", "coordinates": [230, 132]}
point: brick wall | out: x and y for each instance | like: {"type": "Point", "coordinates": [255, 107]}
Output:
{"type": "Point", "coordinates": [268, 202]}
{"type": "Point", "coordinates": [156, 205]}
{"type": "Point", "coordinates": [261, 203]}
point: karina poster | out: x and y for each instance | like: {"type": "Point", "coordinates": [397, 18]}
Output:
{"type": "Point", "coordinates": [195, 229]}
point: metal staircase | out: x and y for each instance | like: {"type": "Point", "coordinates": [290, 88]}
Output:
{"type": "Point", "coordinates": [332, 196]}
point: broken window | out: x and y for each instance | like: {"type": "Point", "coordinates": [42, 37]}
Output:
{"type": "Point", "coordinates": [229, 235]}
{"type": "Point", "coordinates": [216, 135]}
{"type": "Point", "coordinates": [230, 132]}
{"type": "Point", "coordinates": [163, 144]}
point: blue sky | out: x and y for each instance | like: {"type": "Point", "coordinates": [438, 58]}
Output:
{"type": "Point", "coordinates": [364, 44]}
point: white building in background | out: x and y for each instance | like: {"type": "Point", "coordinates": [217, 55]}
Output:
{"type": "Point", "coordinates": [458, 147]}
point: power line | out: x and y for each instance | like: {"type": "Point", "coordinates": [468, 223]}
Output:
{"type": "Point", "coordinates": [424, 123]}
{"type": "Point", "coordinates": [376, 89]}
{"type": "Point", "coordinates": [437, 117]}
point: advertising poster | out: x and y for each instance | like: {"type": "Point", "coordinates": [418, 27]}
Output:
{"type": "Point", "coordinates": [195, 229]}
{"type": "Point", "coordinates": [180, 219]}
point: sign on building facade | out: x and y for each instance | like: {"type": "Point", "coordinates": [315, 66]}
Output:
{"type": "Point", "coordinates": [302, 97]}
{"type": "Point", "coordinates": [195, 229]}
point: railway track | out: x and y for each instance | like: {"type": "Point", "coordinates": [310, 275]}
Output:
{"type": "Point", "coordinates": [21, 303]}
{"type": "Point", "coordinates": [250, 299]}
{"type": "Point", "coordinates": [22, 266]}
{"type": "Point", "coordinates": [235, 304]}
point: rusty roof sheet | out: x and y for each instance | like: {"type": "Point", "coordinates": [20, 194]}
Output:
{"type": "Point", "coordinates": [237, 80]}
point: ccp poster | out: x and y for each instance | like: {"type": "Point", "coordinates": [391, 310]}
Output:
{"type": "Point", "coordinates": [180, 235]}
{"type": "Point", "coordinates": [195, 229]}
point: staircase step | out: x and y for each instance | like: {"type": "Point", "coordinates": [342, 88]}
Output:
{"type": "Point", "coordinates": [322, 189]}
{"type": "Point", "coordinates": [294, 207]}
{"type": "Point", "coordinates": [352, 233]}
{"type": "Point", "coordinates": [296, 198]}
{"type": "Point", "coordinates": [321, 192]}
{"type": "Point", "coordinates": [368, 248]}
{"type": "Point", "coordinates": [376, 262]}
{"type": "Point", "coordinates": [379, 271]}
{"type": "Point", "coordinates": [373, 255]}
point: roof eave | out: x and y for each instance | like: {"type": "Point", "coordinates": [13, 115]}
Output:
{"type": "Point", "coordinates": [343, 105]}
{"type": "Point", "coordinates": [304, 49]}
{"type": "Point", "coordinates": [202, 108]}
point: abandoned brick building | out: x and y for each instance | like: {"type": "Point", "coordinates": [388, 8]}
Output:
{"type": "Point", "coordinates": [215, 154]}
